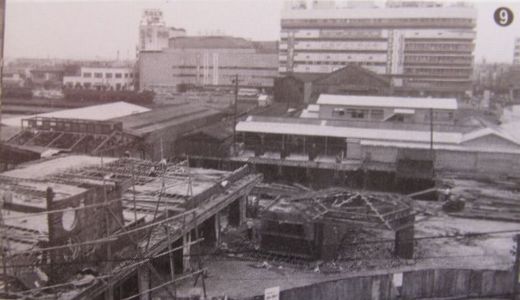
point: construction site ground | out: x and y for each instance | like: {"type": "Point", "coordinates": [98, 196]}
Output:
{"type": "Point", "coordinates": [240, 274]}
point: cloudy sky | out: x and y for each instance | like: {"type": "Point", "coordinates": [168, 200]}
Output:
{"type": "Point", "coordinates": [90, 29]}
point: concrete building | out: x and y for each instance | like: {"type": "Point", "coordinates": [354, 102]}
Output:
{"type": "Point", "coordinates": [101, 78]}
{"type": "Point", "coordinates": [516, 53]}
{"type": "Point", "coordinates": [424, 50]}
{"type": "Point", "coordinates": [153, 32]}
{"type": "Point", "coordinates": [209, 61]}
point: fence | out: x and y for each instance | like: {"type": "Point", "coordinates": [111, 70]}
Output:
{"type": "Point", "coordinates": [435, 283]}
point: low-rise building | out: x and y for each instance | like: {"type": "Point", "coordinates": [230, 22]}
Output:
{"type": "Point", "coordinates": [387, 109]}
{"type": "Point", "coordinates": [101, 78]}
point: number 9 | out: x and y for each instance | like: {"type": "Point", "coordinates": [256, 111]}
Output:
{"type": "Point", "coordinates": [504, 17]}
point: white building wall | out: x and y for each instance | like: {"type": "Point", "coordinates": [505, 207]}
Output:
{"type": "Point", "coordinates": [110, 78]}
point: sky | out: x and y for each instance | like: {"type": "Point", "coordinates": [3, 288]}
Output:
{"type": "Point", "coordinates": [99, 29]}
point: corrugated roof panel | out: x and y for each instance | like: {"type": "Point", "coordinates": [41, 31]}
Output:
{"type": "Point", "coordinates": [101, 112]}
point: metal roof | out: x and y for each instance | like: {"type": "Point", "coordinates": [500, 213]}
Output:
{"type": "Point", "coordinates": [324, 129]}
{"type": "Point", "coordinates": [99, 112]}
{"type": "Point", "coordinates": [391, 102]}
{"type": "Point", "coordinates": [170, 117]}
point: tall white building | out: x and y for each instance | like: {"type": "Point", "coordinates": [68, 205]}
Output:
{"type": "Point", "coordinates": [154, 35]}
{"type": "Point", "coordinates": [426, 49]}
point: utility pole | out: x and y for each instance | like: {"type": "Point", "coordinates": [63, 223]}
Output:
{"type": "Point", "coordinates": [235, 116]}
{"type": "Point", "coordinates": [431, 143]}
{"type": "Point", "coordinates": [516, 268]}
{"type": "Point", "coordinates": [2, 39]}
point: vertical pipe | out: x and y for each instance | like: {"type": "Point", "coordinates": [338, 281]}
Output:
{"type": "Point", "coordinates": [516, 268]}
{"type": "Point", "coordinates": [2, 39]}
{"type": "Point", "coordinates": [431, 143]}
{"type": "Point", "coordinates": [235, 116]}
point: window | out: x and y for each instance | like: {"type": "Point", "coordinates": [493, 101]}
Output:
{"type": "Point", "coordinates": [126, 75]}
{"type": "Point", "coordinates": [87, 75]}
{"type": "Point", "coordinates": [98, 75]}
{"type": "Point", "coordinates": [119, 75]}
{"type": "Point", "coordinates": [338, 112]}
{"type": "Point", "coordinates": [108, 75]}
{"type": "Point", "coordinates": [357, 113]}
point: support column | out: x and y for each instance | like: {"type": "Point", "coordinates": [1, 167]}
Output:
{"type": "Point", "coordinates": [186, 252]}
{"type": "Point", "coordinates": [143, 281]}
{"type": "Point", "coordinates": [217, 229]}
{"type": "Point", "coordinates": [237, 211]}
{"type": "Point", "coordinates": [242, 204]}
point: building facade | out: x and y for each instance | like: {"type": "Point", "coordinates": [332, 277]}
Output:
{"type": "Point", "coordinates": [425, 50]}
{"type": "Point", "coordinates": [388, 109]}
{"type": "Point", "coordinates": [153, 32]}
{"type": "Point", "coordinates": [209, 61]}
{"type": "Point", "coordinates": [102, 78]}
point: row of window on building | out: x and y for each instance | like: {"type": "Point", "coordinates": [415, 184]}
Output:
{"type": "Point", "coordinates": [108, 75]}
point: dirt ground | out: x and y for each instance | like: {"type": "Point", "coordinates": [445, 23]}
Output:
{"type": "Point", "coordinates": [237, 277]}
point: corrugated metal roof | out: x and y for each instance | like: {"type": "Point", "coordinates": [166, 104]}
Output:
{"type": "Point", "coordinates": [167, 117]}
{"type": "Point", "coordinates": [394, 102]}
{"type": "Point", "coordinates": [348, 132]}
{"type": "Point", "coordinates": [489, 131]}
{"type": "Point", "coordinates": [101, 112]}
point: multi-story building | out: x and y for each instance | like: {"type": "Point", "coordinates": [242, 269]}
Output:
{"type": "Point", "coordinates": [516, 53]}
{"type": "Point", "coordinates": [209, 61]}
{"type": "Point", "coordinates": [153, 32]}
{"type": "Point", "coordinates": [423, 49]}
{"type": "Point", "coordinates": [101, 78]}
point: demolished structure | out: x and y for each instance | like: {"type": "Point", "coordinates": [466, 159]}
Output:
{"type": "Point", "coordinates": [315, 224]}
{"type": "Point", "coordinates": [81, 227]}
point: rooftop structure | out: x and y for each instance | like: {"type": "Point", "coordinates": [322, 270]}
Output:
{"type": "Point", "coordinates": [394, 102]}
{"type": "Point", "coordinates": [388, 109]}
{"type": "Point", "coordinates": [153, 32]}
{"type": "Point", "coordinates": [423, 49]}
